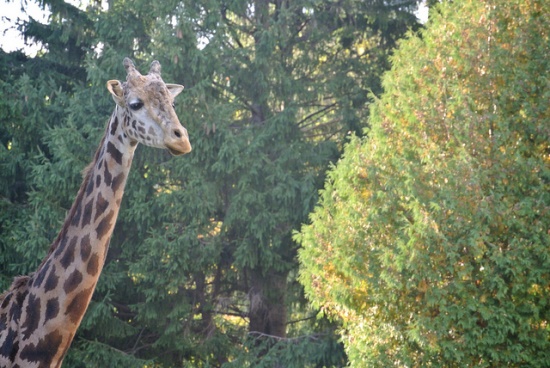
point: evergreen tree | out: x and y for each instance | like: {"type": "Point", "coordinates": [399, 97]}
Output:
{"type": "Point", "coordinates": [431, 242]}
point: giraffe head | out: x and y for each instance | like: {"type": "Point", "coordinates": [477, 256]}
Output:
{"type": "Point", "coordinates": [148, 105]}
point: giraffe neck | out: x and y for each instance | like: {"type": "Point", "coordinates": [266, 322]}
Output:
{"type": "Point", "coordinates": [43, 312]}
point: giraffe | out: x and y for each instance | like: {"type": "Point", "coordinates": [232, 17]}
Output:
{"type": "Point", "coordinates": [40, 313]}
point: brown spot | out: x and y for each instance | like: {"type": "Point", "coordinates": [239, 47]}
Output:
{"type": "Point", "coordinates": [105, 225]}
{"type": "Point", "coordinates": [14, 351]}
{"type": "Point", "coordinates": [21, 295]}
{"type": "Point", "coordinates": [141, 129]}
{"type": "Point", "coordinates": [72, 282]}
{"type": "Point", "coordinates": [87, 215]}
{"type": "Point", "coordinates": [51, 281]}
{"type": "Point", "coordinates": [117, 181]}
{"type": "Point", "coordinates": [52, 309]}
{"type": "Point", "coordinates": [68, 256]}
{"type": "Point", "coordinates": [17, 308]}
{"type": "Point", "coordinates": [60, 248]}
{"type": "Point", "coordinates": [41, 275]}
{"type": "Point", "coordinates": [85, 247]}
{"type": "Point", "coordinates": [30, 324]}
{"type": "Point", "coordinates": [114, 126]}
{"type": "Point", "coordinates": [76, 218]}
{"type": "Point", "coordinates": [93, 265]}
{"type": "Point", "coordinates": [77, 306]}
{"type": "Point", "coordinates": [101, 205]}
{"type": "Point", "coordinates": [89, 187]}
{"type": "Point", "coordinates": [107, 177]}
{"type": "Point", "coordinates": [114, 152]}
{"type": "Point", "coordinates": [44, 351]}
{"type": "Point", "coordinates": [8, 347]}
{"type": "Point", "coordinates": [97, 181]}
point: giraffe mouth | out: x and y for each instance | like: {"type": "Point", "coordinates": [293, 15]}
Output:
{"type": "Point", "coordinates": [179, 151]}
{"type": "Point", "coordinates": [174, 152]}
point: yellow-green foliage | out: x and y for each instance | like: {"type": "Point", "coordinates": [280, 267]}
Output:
{"type": "Point", "coordinates": [431, 242]}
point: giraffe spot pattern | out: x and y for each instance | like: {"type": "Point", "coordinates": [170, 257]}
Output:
{"type": "Point", "coordinates": [76, 217]}
{"type": "Point", "coordinates": [93, 265]}
{"type": "Point", "coordinates": [72, 282]}
{"type": "Point", "coordinates": [44, 351]}
{"type": "Point", "coordinates": [97, 181]}
{"type": "Point", "coordinates": [114, 126]}
{"type": "Point", "coordinates": [79, 303]}
{"type": "Point", "coordinates": [68, 256]}
{"type": "Point", "coordinates": [32, 316]}
{"type": "Point", "coordinates": [85, 247]}
{"type": "Point", "coordinates": [89, 188]}
{"type": "Point", "coordinates": [60, 248]}
{"type": "Point", "coordinates": [51, 281]}
{"type": "Point", "coordinates": [101, 205]}
{"type": "Point", "coordinates": [107, 177]}
{"type": "Point", "coordinates": [52, 309]}
{"type": "Point", "coordinates": [105, 225]}
{"type": "Point", "coordinates": [9, 347]}
{"type": "Point", "coordinates": [117, 182]}
{"type": "Point", "coordinates": [114, 152]}
{"type": "Point", "coordinates": [3, 321]}
{"type": "Point", "coordinates": [41, 275]}
{"type": "Point", "coordinates": [16, 308]}
{"type": "Point", "coordinates": [87, 214]}
{"type": "Point", "coordinates": [14, 351]}
{"type": "Point", "coordinates": [20, 298]}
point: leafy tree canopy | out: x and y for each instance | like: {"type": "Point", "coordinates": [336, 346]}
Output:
{"type": "Point", "coordinates": [431, 239]}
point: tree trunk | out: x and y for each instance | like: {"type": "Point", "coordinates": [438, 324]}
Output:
{"type": "Point", "coordinates": [267, 296]}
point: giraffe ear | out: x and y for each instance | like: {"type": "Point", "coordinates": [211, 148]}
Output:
{"type": "Point", "coordinates": [175, 89]}
{"type": "Point", "coordinates": [115, 87]}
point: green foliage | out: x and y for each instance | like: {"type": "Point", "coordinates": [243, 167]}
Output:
{"type": "Point", "coordinates": [201, 267]}
{"type": "Point", "coordinates": [431, 242]}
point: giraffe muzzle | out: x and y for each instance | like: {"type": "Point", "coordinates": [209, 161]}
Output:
{"type": "Point", "coordinates": [178, 144]}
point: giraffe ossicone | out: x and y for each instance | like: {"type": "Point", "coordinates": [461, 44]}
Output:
{"type": "Point", "coordinates": [40, 313]}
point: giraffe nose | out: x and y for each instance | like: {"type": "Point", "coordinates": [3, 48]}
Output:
{"type": "Point", "coordinates": [178, 143]}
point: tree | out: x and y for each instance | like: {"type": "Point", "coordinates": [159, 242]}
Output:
{"type": "Point", "coordinates": [202, 267]}
{"type": "Point", "coordinates": [431, 239]}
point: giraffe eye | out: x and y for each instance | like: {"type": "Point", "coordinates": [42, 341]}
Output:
{"type": "Point", "coordinates": [136, 105]}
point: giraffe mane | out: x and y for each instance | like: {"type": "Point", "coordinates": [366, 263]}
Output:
{"type": "Point", "coordinates": [19, 282]}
